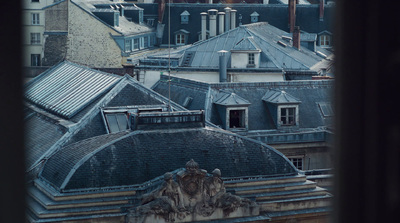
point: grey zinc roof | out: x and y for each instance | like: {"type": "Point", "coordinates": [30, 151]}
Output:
{"type": "Point", "coordinates": [229, 98]}
{"type": "Point", "coordinates": [133, 158]}
{"type": "Point", "coordinates": [68, 88]}
{"type": "Point", "coordinates": [279, 97]}
{"type": "Point", "coordinates": [257, 36]}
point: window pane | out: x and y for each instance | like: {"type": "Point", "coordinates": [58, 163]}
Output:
{"type": "Point", "coordinates": [112, 123]}
{"type": "Point", "coordinates": [122, 122]}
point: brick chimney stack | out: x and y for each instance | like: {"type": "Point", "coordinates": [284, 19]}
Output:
{"type": "Point", "coordinates": [296, 37]}
{"type": "Point", "coordinates": [321, 9]}
{"type": "Point", "coordinates": [292, 14]}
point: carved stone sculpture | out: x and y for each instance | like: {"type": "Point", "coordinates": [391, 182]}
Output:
{"type": "Point", "coordinates": [195, 197]}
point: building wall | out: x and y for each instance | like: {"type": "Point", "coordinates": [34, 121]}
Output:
{"type": "Point", "coordinates": [240, 60]}
{"type": "Point", "coordinates": [89, 40]}
{"type": "Point", "coordinates": [29, 7]}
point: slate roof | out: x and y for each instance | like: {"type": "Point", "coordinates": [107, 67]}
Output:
{"type": "Point", "coordinates": [276, 51]}
{"type": "Point", "coordinates": [125, 26]}
{"type": "Point", "coordinates": [307, 17]}
{"type": "Point", "coordinates": [132, 158]}
{"type": "Point", "coordinates": [229, 99]}
{"type": "Point", "coordinates": [48, 130]}
{"type": "Point", "coordinates": [310, 93]}
{"type": "Point", "coordinates": [280, 97]}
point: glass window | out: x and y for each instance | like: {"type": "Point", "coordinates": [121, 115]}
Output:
{"type": "Point", "coordinates": [35, 60]}
{"type": "Point", "coordinates": [35, 38]}
{"type": "Point", "coordinates": [297, 162]}
{"type": "Point", "coordinates": [251, 59]}
{"type": "Point", "coordinates": [146, 42]}
{"type": "Point", "coordinates": [236, 119]}
{"type": "Point", "coordinates": [180, 39]}
{"type": "Point", "coordinates": [127, 45]}
{"type": "Point", "coordinates": [288, 116]}
{"type": "Point", "coordinates": [117, 122]}
{"type": "Point", "coordinates": [35, 19]}
{"type": "Point", "coordinates": [135, 44]}
{"type": "Point", "coordinates": [324, 40]}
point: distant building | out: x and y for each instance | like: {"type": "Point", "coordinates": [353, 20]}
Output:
{"type": "Point", "coordinates": [99, 34]}
{"type": "Point", "coordinates": [295, 117]}
{"type": "Point", "coordinates": [248, 53]}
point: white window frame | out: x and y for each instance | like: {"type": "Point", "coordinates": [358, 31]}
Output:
{"type": "Point", "coordinates": [244, 118]}
{"type": "Point", "coordinates": [178, 39]}
{"type": "Point", "coordinates": [141, 42]}
{"type": "Point", "coordinates": [35, 39]}
{"type": "Point", "coordinates": [135, 44]}
{"type": "Point", "coordinates": [35, 17]}
{"type": "Point", "coordinates": [296, 160]}
{"type": "Point", "coordinates": [251, 59]}
{"type": "Point", "coordinates": [325, 40]}
{"type": "Point", "coordinates": [128, 45]}
{"type": "Point", "coordinates": [37, 61]}
{"type": "Point", "coordinates": [295, 115]}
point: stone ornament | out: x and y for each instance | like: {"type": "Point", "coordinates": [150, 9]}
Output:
{"type": "Point", "coordinates": [194, 197]}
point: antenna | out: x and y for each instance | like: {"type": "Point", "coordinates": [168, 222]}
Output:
{"type": "Point", "coordinates": [169, 56]}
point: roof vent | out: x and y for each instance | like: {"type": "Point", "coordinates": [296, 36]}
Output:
{"type": "Point", "coordinates": [282, 43]}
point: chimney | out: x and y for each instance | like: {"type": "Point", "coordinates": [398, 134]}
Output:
{"type": "Point", "coordinates": [227, 19]}
{"type": "Point", "coordinates": [265, 2]}
{"type": "Point", "coordinates": [203, 25]}
{"type": "Point", "coordinates": [292, 15]}
{"type": "Point", "coordinates": [296, 37]}
{"type": "Point", "coordinates": [210, 1]}
{"type": "Point", "coordinates": [212, 14]}
{"type": "Point", "coordinates": [121, 10]}
{"type": "Point", "coordinates": [233, 18]}
{"type": "Point", "coordinates": [221, 22]}
{"type": "Point", "coordinates": [222, 65]}
{"type": "Point", "coordinates": [321, 10]}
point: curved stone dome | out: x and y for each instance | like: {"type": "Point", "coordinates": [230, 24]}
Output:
{"type": "Point", "coordinates": [129, 158]}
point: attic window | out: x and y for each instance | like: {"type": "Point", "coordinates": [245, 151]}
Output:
{"type": "Point", "coordinates": [116, 122]}
{"type": "Point", "coordinates": [326, 109]}
{"type": "Point", "coordinates": [254, 17]}
{"type": "Point", "coordinates": [237, 119]}
{"type": "Point", "coordinates": [251, 59]}
{"type": "Point", "coordinates": [187, 102]}
{"type": "Point", "coordinates": [325, 40]}
{"type": "Point", "coordinates": [185, 17]}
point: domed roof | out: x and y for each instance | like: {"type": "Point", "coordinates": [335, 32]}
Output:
{"type": "Point", "coordinates": [129, 158]}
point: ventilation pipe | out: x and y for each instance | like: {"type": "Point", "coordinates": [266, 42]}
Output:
{"type": "Point", "coordinates": [296, 37]}
{"type": "Point", "coordinates": [210, 1]}
{"type": "Point", "coordinates": [212, 14]}
{"type": "Point", "coordinates": [292, 15]}
{"type": "Point", "coordinates": [265, 2]}
{"type": "Point", "coordinates": [227, 18]}
{"type": "Point", "coordinates": [222, 65]}
{"type": "Point", "coordinates": [233, 18]}
{"type": "Point", "coordinates": [203, 25]}
{"type": "Point", "coordinates": [221, 22]}
{"type": "Point", "coordinates": [321, 10]}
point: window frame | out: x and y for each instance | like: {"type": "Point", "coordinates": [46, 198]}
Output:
{"type": "Point", "coordinates": [296, 161]}
{"type": "Point", "coordinates": [179, 37]}
{"type": "Point", "coordinates": [295, 115]}
{"type": "Point", "coordinates": [35, 39]}
{"type": "Point", "coordinates": [251, 59]}
{"type": "Point", "coordinates": [243, 118]}
{"type": "Point", "coordinates": [35, 19]}
{"type": "Point", "coordinates": [325, 41]}
{"type": "Point", "coordinates": [37, 58]}
{"type": "Point", "coordinates": [111, 126]}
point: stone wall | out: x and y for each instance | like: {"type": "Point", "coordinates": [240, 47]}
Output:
{"type": "Point", "coordinates": [89, 40]}
{"type": "Point", "coordinates": [55, 49]}
{"type": "Point", "coordinates": [56, 17]}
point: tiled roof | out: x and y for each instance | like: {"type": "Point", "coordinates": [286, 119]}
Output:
{"type": "Point", "coordinates": [68, 88]}
{"type": "Point", "coordinates": [133, 158]}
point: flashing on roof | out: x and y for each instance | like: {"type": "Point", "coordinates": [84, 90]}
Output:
{"type": "Point", "coordinates": [282, 43]}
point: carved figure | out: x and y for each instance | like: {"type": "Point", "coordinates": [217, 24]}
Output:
{"type": "Point", "coordinates": [214, 188]}
{"type": "Point", "coordinates": [164, 200]}
{"type": "Point", "coordinates": [191, 180]}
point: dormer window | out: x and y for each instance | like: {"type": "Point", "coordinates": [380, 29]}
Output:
{"type": "Point", "coordinates": [325, 41]}
{"type": "Point", "coordinates": [185, 17]}
{"type": "Point", "coordinates": [181, 37]}
{"type": "Point", "coordinates": [283, 107]}
{"type": "Point", "coordinates": [116, 122]}
{"type": "Point", "coordinates": [254, 17]}
{"type": "Point", "coordinates": [251, 60]}
{"type": "Point", "coordinates": [233, 111]}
